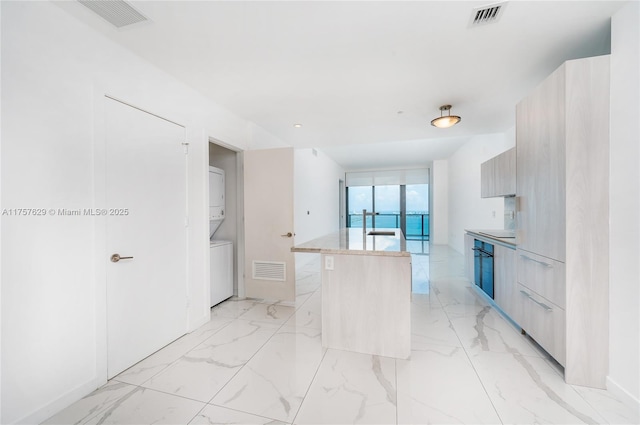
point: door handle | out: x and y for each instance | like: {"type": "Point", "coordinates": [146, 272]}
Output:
{"type": "Point", "coordinates": [287, 235]}
{"type": "Point", "coordinates": [116, 257]}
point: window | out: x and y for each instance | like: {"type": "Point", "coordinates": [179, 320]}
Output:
{"type": "Point", "coordinates": [397, 206]}
{"type": "Point", "coordinates": [359, 198]}
{"type": "Point", "coordinates": [399, 197]}
{"type": "Point", "coordinates": [417, 210]}
{"type": "Point", "coordinates": [387, 205]}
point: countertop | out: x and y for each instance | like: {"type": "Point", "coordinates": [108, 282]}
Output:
{"type": "Point", "coordinates": [509, 242]}
{"type": "Point", "coordinates": [350, 241]}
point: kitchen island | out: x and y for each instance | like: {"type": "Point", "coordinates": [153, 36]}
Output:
{"type": "Point", "coordinates": [366, 291]}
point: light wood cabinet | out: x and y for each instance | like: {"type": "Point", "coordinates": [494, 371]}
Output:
{"type": "Point", "coordinates": [468, 258]}
{"type": "Point", "coordinates": [366, 304]}
{"type": "Point", "coordinates": [498, 175]}
{"type": "Point", "coordinates": [505, 281]}
{"type": "Point", "coordinates": [543, 320]}
{"type": "Point", "coordinates": [562, 166]}
{"type": "Point", "coordinates": [540, 139]}
{"type": "Point", "coordinates": [543, 275]}
{"type": "Point", "coordinates": [504, 274]}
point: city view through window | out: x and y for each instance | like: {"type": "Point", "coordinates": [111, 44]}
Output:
{"type": "Point", "coordinates": [386, 201]}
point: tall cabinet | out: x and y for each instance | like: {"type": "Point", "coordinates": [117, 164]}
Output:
{"type": "Point", "coordinates": [562, 163]}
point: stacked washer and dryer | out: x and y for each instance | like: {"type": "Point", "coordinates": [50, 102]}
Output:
{"type": "Point", "coordinates": [221, 251]}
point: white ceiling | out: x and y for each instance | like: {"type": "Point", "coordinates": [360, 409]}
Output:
{"type": "Point", "coordinates": [344, 69]}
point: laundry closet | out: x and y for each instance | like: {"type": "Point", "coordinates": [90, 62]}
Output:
{"type": "Point", "coordinates": [222, 222]}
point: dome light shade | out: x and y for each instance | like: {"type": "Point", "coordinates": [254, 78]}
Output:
{"type": "Point", "coordinates": [445, 121]}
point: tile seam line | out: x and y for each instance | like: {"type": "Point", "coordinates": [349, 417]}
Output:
{"type": "Point", "coordinates": [466, 353]}
{"type": "Point", "coordinates": [180, 357]}
{"type": "Point", "coordinates": [96, 413]}
{"type": "Point", "coordinates": [242, 411]}
{"type": "Point", "coordinates": [310, 384]}
{"type": "Point", "coordinates": [136, 387]}
{"type": "Point", "coordinates": [245, 363]}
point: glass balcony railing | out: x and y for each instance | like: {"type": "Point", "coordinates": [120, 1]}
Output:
{"type": "Point", "coordinates": [417, 224]}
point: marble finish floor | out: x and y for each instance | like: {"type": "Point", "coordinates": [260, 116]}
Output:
{"type": "Point", "coordinates": [259, 363]}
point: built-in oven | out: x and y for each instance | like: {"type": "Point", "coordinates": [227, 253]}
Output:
{"type": "Point", "coordinates": [483, 266]}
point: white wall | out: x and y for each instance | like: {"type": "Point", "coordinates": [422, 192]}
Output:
{"type": "Point", "coordinates": [440, 202]}
{"type": "Point", "coordinates": [466, 209]}
{"type": "Point", "coordinates": [1, 224]}
{"type": "Point", "coordinates": [316, 191]}
{"type": "Point", "coordinates": [624, 198]}
{"type": "Point", "coordinates": [55, 71]}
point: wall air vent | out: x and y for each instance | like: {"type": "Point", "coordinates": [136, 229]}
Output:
{"type": "Point", "coordinates": [486, 14]}
{"type": "Point", "coordinates": [118, 13]}
{"type": "Point", "coordinates": [269, 270]}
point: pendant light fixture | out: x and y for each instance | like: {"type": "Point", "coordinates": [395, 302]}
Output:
{"type": "Point", "coordinates": [445, 121]}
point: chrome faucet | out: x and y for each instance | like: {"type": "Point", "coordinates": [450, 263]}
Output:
{"type": "Point", "coordinates": [364, 220]}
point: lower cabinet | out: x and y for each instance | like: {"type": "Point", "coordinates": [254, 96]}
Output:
{"type": "Point", "coordinates": [544, 321]}
{"type": "Point", "coordinates": [468, 258]}
{"type": "Point", "coordinates": [505, 276]}
{"type": "Point", "coordinates": [505, 280]}
{"type": "Point", "coordinates": [529, 289]}
{"type": "Point", "coordinates": [541, 288]}
{"type": "Point", "coordinates": [542, 275]}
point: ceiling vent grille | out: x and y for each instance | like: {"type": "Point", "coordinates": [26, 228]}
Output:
{"type": "Point", "coordinates": [118, 13]}
{"type": "Point", "coordinates": [486, 14]}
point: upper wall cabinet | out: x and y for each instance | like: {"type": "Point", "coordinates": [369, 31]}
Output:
{"type": "Point", "coordinates": [498, 175]}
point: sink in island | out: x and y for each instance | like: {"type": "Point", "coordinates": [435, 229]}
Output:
{"type": "Point", "coordinates": [366, 291]}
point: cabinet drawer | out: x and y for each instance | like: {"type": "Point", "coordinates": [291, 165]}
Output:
{"type": "Point", "coordinates": [543, 321]}
{"type": "Point", "coordinates": [543, 276]}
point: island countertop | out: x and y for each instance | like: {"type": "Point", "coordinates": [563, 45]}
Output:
{"type": "Point", "coordinates": [350, 241]}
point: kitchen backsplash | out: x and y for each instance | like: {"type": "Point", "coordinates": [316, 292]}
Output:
{"type": "Point", "coordinates": [510, 213]}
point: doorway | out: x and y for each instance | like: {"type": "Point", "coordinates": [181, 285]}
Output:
{"type": "Point", "coordinates": [223, 157]}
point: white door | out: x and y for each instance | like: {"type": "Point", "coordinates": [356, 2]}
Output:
{"type": "Point", "coordinates": [268, 221]}
{"type": "Point", "coordinates": [146, 198]}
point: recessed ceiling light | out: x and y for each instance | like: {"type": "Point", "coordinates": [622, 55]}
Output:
{"type": "Point", "coordinates": [297, 125]}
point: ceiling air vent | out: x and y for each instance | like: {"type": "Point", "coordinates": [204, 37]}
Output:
{"type": "Point", "coordinates": [486, 14]}
{"type": "Point", "coordinates": [118, 13]}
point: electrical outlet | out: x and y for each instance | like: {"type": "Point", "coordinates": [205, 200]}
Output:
{"type": "Point", "coordinates": [328, 263]}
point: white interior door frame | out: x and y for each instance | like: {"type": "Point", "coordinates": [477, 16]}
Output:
{"type": "Point", "coordinates": [239, 248]}
{"type": "Point", "coordinates": [101, 96]}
